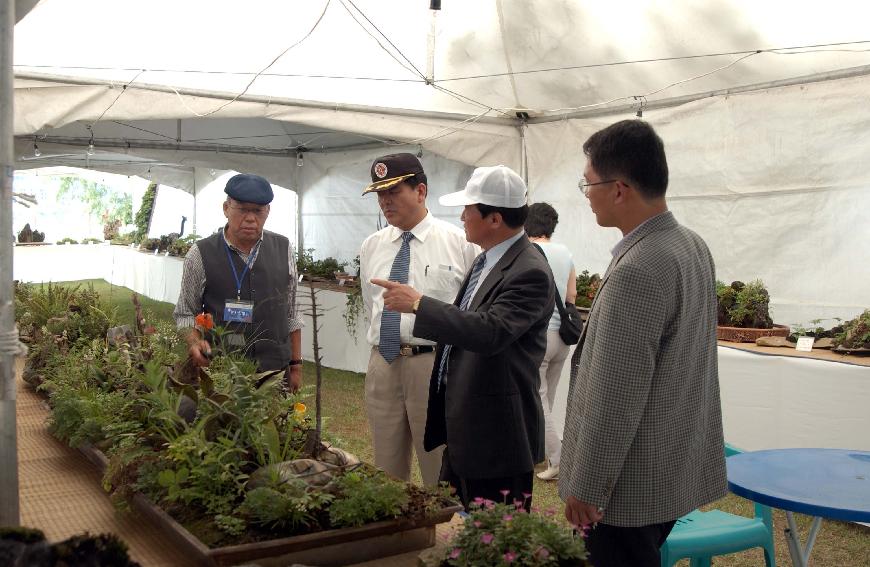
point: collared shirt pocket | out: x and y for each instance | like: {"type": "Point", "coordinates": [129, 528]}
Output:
{"type": "Point", "coordinates": [441, 281]}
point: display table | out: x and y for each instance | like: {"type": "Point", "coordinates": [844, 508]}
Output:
{"type": "Point", "coordinates": [771, 399]}
{"type": "Point", "coordinates": [822, 483]}
{"type": "Point", "coordinates": [154, 276]}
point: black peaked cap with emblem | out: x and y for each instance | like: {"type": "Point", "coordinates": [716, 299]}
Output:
{"type": "Point", "coordinates": [392, 169]}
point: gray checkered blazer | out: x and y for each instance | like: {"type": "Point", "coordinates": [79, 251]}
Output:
{"type": "Point", "coordinates": [643, 427]}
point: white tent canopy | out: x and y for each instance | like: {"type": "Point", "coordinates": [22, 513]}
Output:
{"type": "Point", "coordinates": [762, 106]}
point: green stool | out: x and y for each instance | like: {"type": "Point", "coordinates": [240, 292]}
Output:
{"type": "Point", "coordinates": [699, 536]}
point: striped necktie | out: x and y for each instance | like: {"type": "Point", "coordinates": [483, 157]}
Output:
{"type": "Point", "coordinates": [391, 341]}
{"type": "Point", "coordinates": [467, 296]}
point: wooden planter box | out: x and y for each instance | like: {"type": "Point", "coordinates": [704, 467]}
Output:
{"type": "Point", "coordinates": [328, 548]}
{"type": "Point", "coordinates": [748, 335]}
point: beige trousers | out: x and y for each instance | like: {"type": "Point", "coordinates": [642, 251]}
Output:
{"type": "Point", "coordinates": [551, 371]}
{"type": "Point", "coordinates": [397, 396]}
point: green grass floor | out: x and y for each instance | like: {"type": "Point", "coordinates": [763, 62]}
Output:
{"type": "Point", "coordinates": [839, 544]}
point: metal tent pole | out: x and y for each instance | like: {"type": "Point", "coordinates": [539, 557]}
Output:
{"type": "Point", "coordinates": [9, 513]}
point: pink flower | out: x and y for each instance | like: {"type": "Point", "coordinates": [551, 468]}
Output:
{"type": "Point", "coordinates": [505, 493]}
{"type": "Point", "coordinates": [477, 523]}
{"type": "Point", "coordinates": [507, 517]}
{"type": "Point", "coordinates": [509, 557]}
{"type": "Point", "coordinates": [457, 551]}
{"type": "Point", "coordinates": [526, 495]}
{"type": "Point", "coordinates": [478, 500]}
{"type": "Point", "coordinates": [486, 539]}
{"type": "Point", "coordinates": [542, 552]}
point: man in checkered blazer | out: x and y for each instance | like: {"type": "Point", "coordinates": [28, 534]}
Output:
{"type": "Point", "coordinates": [643, 438]}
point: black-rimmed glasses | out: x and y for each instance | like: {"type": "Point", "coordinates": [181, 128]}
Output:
{"type": "Point", "coordinates": [585, 185]}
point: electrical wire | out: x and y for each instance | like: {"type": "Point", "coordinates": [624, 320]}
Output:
{"type": "Point", "coordinates": [402, 55]}
{"type": "Point", "coordinates": [120, 94]}
{"type": "Point", "coordinates": [251, 82]}
{"type": "Point", "coordinates": [643, 96]}
{"type": "Point", "coordinates": [776, 51]}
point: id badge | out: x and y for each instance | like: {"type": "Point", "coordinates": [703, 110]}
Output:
{"type": "Point", "coordinates": [238, 311]}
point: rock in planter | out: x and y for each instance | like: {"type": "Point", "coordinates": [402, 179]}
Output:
{"type": "Point", "coordinates": [774, 342]}
{"type": "Point", "coordinates": [118, 335]}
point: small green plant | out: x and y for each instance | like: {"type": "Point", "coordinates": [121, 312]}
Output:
{"type": "Point", "coordinates": [502, 534]}
{"type": "Point", "coordinates": [326, 268]}
{"type": "Point", "coordinates": [151, 244]}
{"type": "Point", "coordinates": [284, 506]}
{"type": "Point", "coordinates": [91, 240]}
{"type": "Point", "coordinates": [587, 287]}
{"type": "Point", "coordinates": [67, 240]}
{"type": "Point", "coordinates": [124, 239]}
{"type": "Point", "coordinates": [815, 329]}
{"type": "Point", "coordinates": [366, 496]}
{"type": "Point", "coordinates": [353, 308]}
{"type": "Point", "coordinates": [180, 246]}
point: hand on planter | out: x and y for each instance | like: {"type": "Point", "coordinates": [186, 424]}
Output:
{"type": "Point", "coordinates": [198, 349]}
{"type": "Point", "coordinates": [293, 378]}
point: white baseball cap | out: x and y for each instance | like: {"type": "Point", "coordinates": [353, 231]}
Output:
{"type": "Point", "coordinates": [496, 186]}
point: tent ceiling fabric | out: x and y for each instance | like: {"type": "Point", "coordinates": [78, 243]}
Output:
{"type": "Point", "coordinates": [358, 69]}
{"type": "Point", "coordinates": [220, 47]}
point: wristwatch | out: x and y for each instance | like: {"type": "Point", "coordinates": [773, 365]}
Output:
{"type": "Point", "coordinates": [296, 362]}
{"type": "Point", "coordinates": [416, 305]}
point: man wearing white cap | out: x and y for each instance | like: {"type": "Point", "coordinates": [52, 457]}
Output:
{"type": "Point", "coordinates": [483, 400]}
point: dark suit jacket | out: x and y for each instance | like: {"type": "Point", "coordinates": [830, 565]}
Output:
{"type": "Point", "coordinates": [489, 413]}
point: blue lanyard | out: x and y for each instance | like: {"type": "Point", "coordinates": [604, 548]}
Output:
{"type": "Point", "coordinates": [248, 265]}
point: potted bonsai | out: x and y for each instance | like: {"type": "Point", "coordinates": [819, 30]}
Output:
{"type": "Point", "coordinates": [587, 287]}
{"type": "Point", "coordinates": [854, 337]}
{"type": "Point", "coordinates": [744, 312]}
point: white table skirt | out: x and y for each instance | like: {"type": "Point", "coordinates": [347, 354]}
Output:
{"type": "Point", "coordinates": [157, 277]}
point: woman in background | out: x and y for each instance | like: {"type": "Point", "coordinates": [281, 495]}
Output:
{"type": "Point", "coordinates": [540, 225]}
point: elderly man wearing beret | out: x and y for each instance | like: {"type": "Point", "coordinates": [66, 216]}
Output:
{"type": "Point", "coordinates": [245, 278]}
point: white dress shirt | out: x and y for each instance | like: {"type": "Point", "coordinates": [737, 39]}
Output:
{"type": "Point", "coordinates": [440, 258]}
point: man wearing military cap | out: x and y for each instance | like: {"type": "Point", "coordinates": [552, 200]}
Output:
{"type": "Point", "coordinates": [430, 254]}
{"type": "Point", "coordinates": [245, 278]}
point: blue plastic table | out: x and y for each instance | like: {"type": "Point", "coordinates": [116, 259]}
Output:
{"type": "Point", "coordinates": [823, 483]}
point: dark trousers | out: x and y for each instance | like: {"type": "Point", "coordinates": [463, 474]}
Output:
{"type": "Point", "coordinates": [614, 546]}
{"type": "Point", "coordinates": [467, 489]}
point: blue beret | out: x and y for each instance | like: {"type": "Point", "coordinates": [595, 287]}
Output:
{"type": "Point", "coordinates": [249, 188]}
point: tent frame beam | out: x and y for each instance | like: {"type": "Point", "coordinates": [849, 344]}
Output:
{"type": "Point", "coordinates": [680, 100]}
{"type": "Point", "coordinates": [103, 143]}
{"type": "Point", "coordinates": [275, 101]}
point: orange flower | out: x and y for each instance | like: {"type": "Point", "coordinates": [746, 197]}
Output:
{"type": "Point", "coordinates": [299, 407]}
{"type": "Point", "coordinates": [204, 321]}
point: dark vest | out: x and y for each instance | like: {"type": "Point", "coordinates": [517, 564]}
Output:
{"type": "Point", "coordinates": [266, 283]}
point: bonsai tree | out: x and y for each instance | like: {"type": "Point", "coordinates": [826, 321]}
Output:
{"type": "Point", "coordinates": [587, 286]}
{"type": "Point", "coordinates": [744, 305]}
{"type": "Point", "coordinates": [855, 333]}
{"type": "Point", "coordinates": [26, 234]}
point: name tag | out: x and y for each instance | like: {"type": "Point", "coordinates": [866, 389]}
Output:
{"type": "Point", "coordinates": [238, 311]}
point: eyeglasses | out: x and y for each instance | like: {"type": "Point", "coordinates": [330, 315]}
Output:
{"type": "Point", "coordinates": [256, 211]}
{"type": "Point", "coordinates": [584, 185]}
